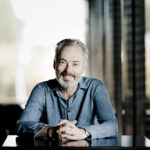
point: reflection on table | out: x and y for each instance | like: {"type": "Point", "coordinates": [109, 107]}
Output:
{"type": "Point", "coordinates": [21, 141]}
{"type": "Point", "coordinates": [121, 141]}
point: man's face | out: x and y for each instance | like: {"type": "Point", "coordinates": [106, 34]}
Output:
{"type": "Point", "coordinates": [70, 66]}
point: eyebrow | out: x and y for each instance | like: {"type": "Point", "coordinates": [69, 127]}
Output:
{"type": "Point", "coordinates": [71, 61]}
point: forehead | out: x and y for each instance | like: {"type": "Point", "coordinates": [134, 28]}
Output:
{"type": "Point", "coordinates": [71, 53]}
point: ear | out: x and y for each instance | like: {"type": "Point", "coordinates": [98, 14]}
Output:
{"type": "Point", "coordinates": [85, 66]}
{"type": "Point", "coordinates": [54, 64]}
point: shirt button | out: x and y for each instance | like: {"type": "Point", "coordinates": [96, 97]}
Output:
{"type": "Point", "coordinates": [68, 110]}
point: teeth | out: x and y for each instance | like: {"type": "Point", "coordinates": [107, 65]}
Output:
{"type": "Point", "coordinates": [67, 77]}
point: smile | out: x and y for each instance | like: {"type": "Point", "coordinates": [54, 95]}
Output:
{"type": "Point", "coordinates": [67, 77]}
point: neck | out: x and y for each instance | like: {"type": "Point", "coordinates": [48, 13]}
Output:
{"type": "Point", "coordinates": [67, 93]}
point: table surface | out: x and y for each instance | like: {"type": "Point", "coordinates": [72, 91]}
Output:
{"type": "Point", "coordinates": [123, 141]}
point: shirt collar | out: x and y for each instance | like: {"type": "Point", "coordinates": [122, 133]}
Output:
{"type": "Point", "coordinates": [82, 84]}
{"type": "Point", "coordinates": [56, 87]}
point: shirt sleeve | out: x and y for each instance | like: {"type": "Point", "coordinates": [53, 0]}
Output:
{"type": "Point", "coordinates": [29, 122]}
{"type": "Point", "coordinates": [107, 125]}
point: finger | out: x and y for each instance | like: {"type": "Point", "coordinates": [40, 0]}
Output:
{"type": "Point", "coordinates": [71, 124]}
{"type": "Point", "coordinates": [62, 122]}
{"type": "Point", "coordinates": [67, 126]}
{"type": "Point", "coordinates": [74, 122]}
{"type": "Point", "coordinates": [67, 137]}
{"type": "Point", "coordinates": [62, 142]}
{"type": "Point", "coordinates": [62, 129]}
{"type": "Point", "coordinates": [62, 137]}
{"type": "Point", "coordinates": [66, 130]}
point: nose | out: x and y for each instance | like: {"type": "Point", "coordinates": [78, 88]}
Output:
{"type": "Point", "coordinates": [68, 68]}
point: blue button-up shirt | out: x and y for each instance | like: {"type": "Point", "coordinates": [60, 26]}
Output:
{"type": "Point", "coordinates": [90, 106]}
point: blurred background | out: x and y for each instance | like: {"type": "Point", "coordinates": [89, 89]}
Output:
{"type": "Point", "coordinates": [117, 33]}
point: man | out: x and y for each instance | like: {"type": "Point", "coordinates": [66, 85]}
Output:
{"type": "Point", "coordinates": [73, 107]}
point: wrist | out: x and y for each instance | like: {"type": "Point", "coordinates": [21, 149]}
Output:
{"type": "Point", "coordinates": [87, 133]}
{"type": "Point", "coordinates": [42, 133]}
{"type": "Point", "coordinates": [51, 132]}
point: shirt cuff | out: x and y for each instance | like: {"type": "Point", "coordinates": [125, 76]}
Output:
{"type": "Point", "coordinates": [41, 130]}
{"type": "Point", "coordinates": [90, 131]}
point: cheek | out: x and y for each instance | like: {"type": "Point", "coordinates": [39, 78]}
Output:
{"type": "Point", "coordinates": [60, 68]}
{"type": "Point", "coordinates": [79, 71]}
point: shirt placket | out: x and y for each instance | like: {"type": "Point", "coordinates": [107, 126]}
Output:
{"type": "Point", "coordinates": [68, 110]}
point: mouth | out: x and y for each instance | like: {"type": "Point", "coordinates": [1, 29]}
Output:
{"type": "Point", "coordinates": [67, 77]}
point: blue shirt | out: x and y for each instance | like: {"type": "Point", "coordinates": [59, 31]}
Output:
{"type": "Point", "coordinates": [90, 106]}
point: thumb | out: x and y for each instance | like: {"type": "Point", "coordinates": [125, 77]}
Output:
{"type": "Point", "coordinates": [74, 122]}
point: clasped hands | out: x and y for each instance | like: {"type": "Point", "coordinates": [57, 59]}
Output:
{"type": "Point", "coordinates": [67, 130]}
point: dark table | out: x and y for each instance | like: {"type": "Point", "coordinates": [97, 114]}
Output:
{"type": "Point", "coordinates": [121, 142]}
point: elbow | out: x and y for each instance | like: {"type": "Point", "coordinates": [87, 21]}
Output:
{"type": "Point", "coordinates": [18, 129]}
{"type": "Point", "coordinates": [112, 130]}
{"type": "Point", "coordinates": [115, 128]}
{"type": "Point", "coordinates": [22, 128]}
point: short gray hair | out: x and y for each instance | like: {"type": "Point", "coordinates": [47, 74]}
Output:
{"type": "Point", "coordinates": [70, 42]}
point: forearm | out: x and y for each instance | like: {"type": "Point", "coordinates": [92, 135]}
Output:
{"type": "Point", "coordinates": [29, 128]}
{"type": "Point", "coordinates": [105, 122]}
{"type": "Point", "coordinates": [36, 129]}
{"type": "Point", "coordinates": [103, 130]}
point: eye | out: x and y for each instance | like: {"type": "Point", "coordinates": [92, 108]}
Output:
{"type": "Point", "coordinates": [75, 64]}
{"type": "Point", "coordinates": [62, 63]}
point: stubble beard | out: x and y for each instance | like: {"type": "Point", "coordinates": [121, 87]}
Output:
{"type": "Point", "coordinates": [66, 85]}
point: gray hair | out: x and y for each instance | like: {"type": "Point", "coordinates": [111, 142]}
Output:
{"type": "Point", "coordinates": [70, 42]}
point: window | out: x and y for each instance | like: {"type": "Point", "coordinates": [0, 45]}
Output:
{"type": "Point", "coordinates": [29, 31]}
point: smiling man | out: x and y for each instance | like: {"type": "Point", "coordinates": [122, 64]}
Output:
{"type": "Point", "coordinates": [70, 107]}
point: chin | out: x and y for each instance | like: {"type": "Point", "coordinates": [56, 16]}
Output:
{"type": "Point", "coordinates": [65, 85]}
{"type": "Point", "coordinates": [68, 86]}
